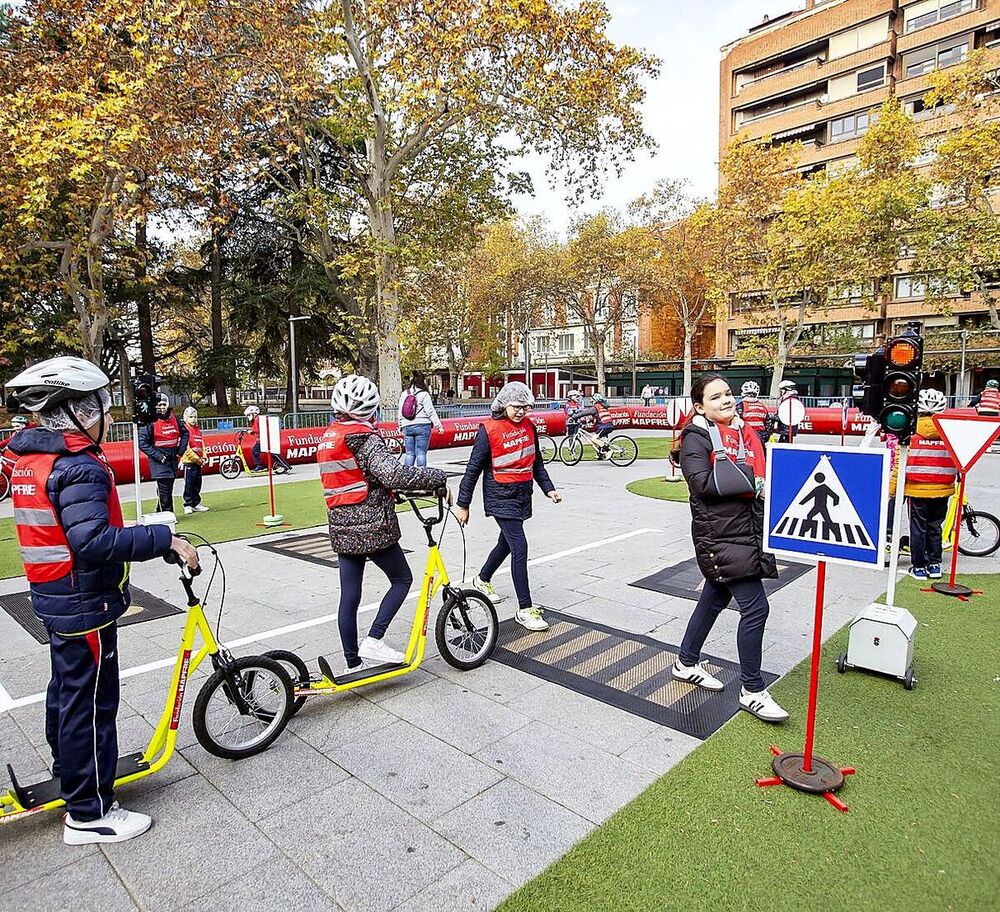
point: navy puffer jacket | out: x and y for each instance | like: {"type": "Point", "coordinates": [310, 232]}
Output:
{"type": "Point", "coordinates": [96, 592]}
{"type": "Point", "coordinates": [505, 501]}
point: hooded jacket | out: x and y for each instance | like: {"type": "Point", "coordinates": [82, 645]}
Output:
{"type": "Point", "coordinates": [95, 592]}
{"type": "Point", "coordinates": [728, 532]}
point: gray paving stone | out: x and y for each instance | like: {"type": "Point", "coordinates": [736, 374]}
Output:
{"type": "Point", "coordinates": [360, 848]}
{"type": "Point", "coordinates": [513, 831]}
{"type": "Point", "coordinates": [498, 682]}
{"type": "Point", "coordinates": [617, 614]}
{"type": "Point", "coordinates": [32, 848]}
{"type": "Point", "coordinates": [281, 887]}
{"type": "Point", "coordinates": [589, 781]}
{"type": "Point", "coordinates": [327, 722]}
{"type": "Point", "coordinates": [418, 772]}
{"type": "Point", "coordinates": [197, 842]}
{"type": "Point", "coordinates": [469, 887]}
{"type": "Point", "coordinates": [455, 714]}
{"type": "Point", "coordinates": [134, 734]}
{"type": "Point", "coordinates": [285, 773]}
{"type": "Point", "coordinates": [61, 891]}
{"type": "Point", "coordinates": [16, 748]}
{"type": "Point", "coordinates": [608, 727]}
{"type": "Point", "coordinates": [661, 750]}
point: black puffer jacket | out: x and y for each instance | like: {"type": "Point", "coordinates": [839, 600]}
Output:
{"type": "Point", "coordinates": [372, 525]}
{"type": "Point", "coordinates": [506, 501]}
{"type": "Point", "coordinates": [728, 532]}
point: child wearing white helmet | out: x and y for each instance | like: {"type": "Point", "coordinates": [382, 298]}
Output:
{"type": "Point", "coordinates": [754, 413]}
{"type": "Point", "coordinates": [787, 389]}
{"type": "Point", "coordinates": [359, 476]}
{"type": "Point", "coordinates": [252, 415]}
{"type": "Point", "coordinates": [930, 481]}
{"type": "Point", "coordinates": [506, 454]}
{"type": "Point", "coordinates": [192, 461]}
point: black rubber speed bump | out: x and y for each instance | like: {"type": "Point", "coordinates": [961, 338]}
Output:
{"type": "Point", "coordinates": [314, 548]}
{"type": "Point", "coordinates": [622, 669]}
{"type": "Point", "coordinates": [144, 607]}
{"type": "Point", "coordinates": [685, 580]}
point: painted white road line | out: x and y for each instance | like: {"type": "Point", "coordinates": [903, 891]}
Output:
{"type": "Point", "coordinates": [7, 703]}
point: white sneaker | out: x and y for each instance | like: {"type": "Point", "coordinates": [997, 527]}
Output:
{"type": "Point", "coordinates": [488, 590]}
{"type": "Point", "coordinates": [762, 705]}
{"type": "Point", "coordinates": [117, 825]}
{"type": "Point", "coordinates": [188, 511]}
{"type": "Point", "coordinates": [201, 508]}
{"type": "Point", "coordinates": [531, 618]}
{"type": "Point", "coordinates": [695, 674]}
{"type": "Point", "coordinates": [379, 653]}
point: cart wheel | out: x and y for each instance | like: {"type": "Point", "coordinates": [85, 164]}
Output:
{"type": "Point", "coordinates": [909, 682]}
{"type": "Point", "coordinates": [842, 662]}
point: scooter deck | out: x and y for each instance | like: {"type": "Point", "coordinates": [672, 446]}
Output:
{"type": "Point", "coordinates": [371, 672]}
{"type": "Point", "coordinates": [39, 793]}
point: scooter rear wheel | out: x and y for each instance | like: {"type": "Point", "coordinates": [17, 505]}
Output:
{"type": "Point", "coordinates": [297, 670]}
{"type": "Point", "coordinates": [467, 628]}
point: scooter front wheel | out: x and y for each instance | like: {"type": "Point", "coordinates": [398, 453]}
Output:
{"type": "Point", "coordinates": [243, 707]}
{"type": "Point", "coordinates": [230, 468]}
{"type": "Point", "coordinates": [467, 628]}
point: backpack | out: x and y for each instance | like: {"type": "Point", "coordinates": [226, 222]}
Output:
{"type": "Point", "coordinates": [409, 407]}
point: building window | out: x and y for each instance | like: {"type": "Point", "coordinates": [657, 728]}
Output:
{"type": "Point", "coordinates": [922, 15]}
{"type": "Point", "coordinates": [566, 343]}
{"type": "Point", "coordinates": [851, 126]}
{"type": "Point", "coordinates": [920, 285]}
{"type": "Point", "coordinates": [937, 57]}
{"type": "Point", "coordinates": [871, 79]}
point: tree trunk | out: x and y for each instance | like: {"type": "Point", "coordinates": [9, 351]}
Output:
{"type": "Point", "coordinates": [688, 341]}
{"type": "Point", "coordinates": [126, 381]}
{"type": "Point", "coordinates": [218, 331]}
{"type": "Point", "coordinates": [780, 359]}
{"type": "Point", "coordinates": [143, 312]}
{"type": "Point", "coordinates": [597, 344]}
{"type": "Point", "coordinates": [390, 380]}
{"type": "Point", "coordinates": [991, 305]}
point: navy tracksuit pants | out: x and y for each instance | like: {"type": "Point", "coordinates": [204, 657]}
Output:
{"type": "Point", "coordinates": [81, 707]}
{"type": "Point", "coordinates": [192, 485]}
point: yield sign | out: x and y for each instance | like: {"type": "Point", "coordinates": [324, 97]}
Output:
{"type": "Point", "coordinates": [967, 438]}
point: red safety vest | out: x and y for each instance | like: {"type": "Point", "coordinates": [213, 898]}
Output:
{"type": "Point", "coordinates": [45, 550]}
{"type": "Point", "coordinates": [343, 481]}
{"type": "Point", "coordinates": [512, 447]}
{"type": "Point", "coordinates": [929, 462]}
{"type": "Point", "coordinates": [989, 401]}
{"type": "Point", "coordinates": [754, 414]}
{"type": "Point", "coordinates": [571, 406]}
{"type": "Point", "coordinates": [603, 415]}
{"type": "Point", "coordinates": [166, 433]}
{"type": "Point", "coordinates": [196, 439]}
{"type": "Point", "coordinates": [753, 451]}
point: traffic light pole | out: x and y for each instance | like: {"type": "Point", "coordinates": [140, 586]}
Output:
{"type": "Point", "coordinates": [138, 477]}
{"type": "Point", "coordinates": [897, 522]}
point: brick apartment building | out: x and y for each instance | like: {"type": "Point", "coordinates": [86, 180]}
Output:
{"type": "Point", "coordinates": [814, 75]}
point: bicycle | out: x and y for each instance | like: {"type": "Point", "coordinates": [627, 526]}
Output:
{"type": "Point", "coordinates": [235, 463]}
{"type": "Point", "coordinates": [548, 448]}
{"type": "Point", "coordinates": [620, 450]}
{"type": "Point", "coordinates": [466, 628]}
{"type": "Point", "coordinates": [6, 467]}
{"type": "Point", "coordinates": [240, 710]}
{"type": "Point", "coordinates": [980, 530]}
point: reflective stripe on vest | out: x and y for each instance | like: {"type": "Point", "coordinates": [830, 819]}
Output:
{"type": "Point", "coordinates": [512, 448]}
{"type": "Point", "coordinates": [166, 433]}
{"type": "Point", "coordinates": [343, 481]}
{"type": "Point", "coordinates": [989, 400]}
{"type": "Point", "coordinates": [603, 415]}
{"type": "Point", "coordinates": [196, 439]}
{"type": "Point", "coordinates": [754, 413]}
{"type": "Point", "coordinates": [929, 462]}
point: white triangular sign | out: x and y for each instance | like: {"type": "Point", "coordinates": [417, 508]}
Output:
{"type": "Point", "coordinates": [823, 512]}
{"type": "Point", "coordinates": [968, 438]}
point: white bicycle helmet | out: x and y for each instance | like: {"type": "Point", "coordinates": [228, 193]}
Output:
{"type": "Point", "coordinates": [190, 414]}
{"type": "Point", "coordinates": [750, 389]}
{"type": "Point", "coordinates": [251, 411]}
{"type": "Point", "coordinates": [19, 422]}
{"type": "Point", "coordinates": [788, 386]}
{"type": "Point", "coordinates": [931, 401]}
{"type": "Point", "coordinates": [355, 396]}
{"type": "Point", "coordinates": [47, 384]}
{"type": "Point", "coordinates": [574, 394]}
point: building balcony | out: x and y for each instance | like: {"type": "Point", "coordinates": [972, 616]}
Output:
{"type": "Point", "coordinates": [957, 25]}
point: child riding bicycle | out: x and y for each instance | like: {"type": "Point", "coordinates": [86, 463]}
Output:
{"type": "Point", "coordinates": [359, 476]}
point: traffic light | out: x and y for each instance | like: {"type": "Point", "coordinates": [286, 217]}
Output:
{"type": "Point", "coordinates": [144, 399]}
{"type": "Point", "coordinates": [904, 356]}
{"type": "Point", "coordinates": [869, 371]}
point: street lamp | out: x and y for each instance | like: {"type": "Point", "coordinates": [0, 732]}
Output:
{"type": "Point", "coordinates": [295, 373]}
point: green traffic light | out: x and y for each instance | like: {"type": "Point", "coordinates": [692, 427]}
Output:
{"type": "Point", "coordinates": [896, 421]}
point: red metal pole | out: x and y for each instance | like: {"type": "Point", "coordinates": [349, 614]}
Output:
{"type": "Point", "coordinates": [958, 529]}
{"type": "Point", "coordinates": [270, 479]}
{"type": "Point", "coordinates": [814, 671]}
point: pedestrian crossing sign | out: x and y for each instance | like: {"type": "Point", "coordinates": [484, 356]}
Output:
{"type": "Point", "coordinates": [828, 503]}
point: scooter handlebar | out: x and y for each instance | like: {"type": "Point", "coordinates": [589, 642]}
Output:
{"type": "Point", "coordinates": [172, 557]}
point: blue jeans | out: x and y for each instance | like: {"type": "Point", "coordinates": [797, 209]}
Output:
{"type": "Point", "coordinates": [416, 439]}
{"type": "Point", "coordinates": [392, 562]}
{"type": "Point", "coordinates": [752, 602]}
{"type": "Point", "coordinates": [512, 542]}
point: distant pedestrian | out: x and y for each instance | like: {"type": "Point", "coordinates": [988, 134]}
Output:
{"type": "Point", "coordinates": [163, 441]}
{"type": "Point", "coordinates": [417, 416]}
{"type": "Point", "coordinates": [787, 389]}
{"type": "Point", "coordinates": [192, 461]}
{"type": "Point", "coordinates": [989, 400]}
{"type": "Point", "coordinates": [647, 394]}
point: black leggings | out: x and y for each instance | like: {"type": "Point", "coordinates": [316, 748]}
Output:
{"type": "Point", "coordinates": [512, 542]}
{"type": "Point", "coordinates": [392, 562]}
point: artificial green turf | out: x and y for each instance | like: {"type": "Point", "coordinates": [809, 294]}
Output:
{"type": "Point", "coordinates": [921, 833]}
{"type": "Point", "coordinates": [649, 448]}
{"type": "Point", "coordinates": [656, 487]}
